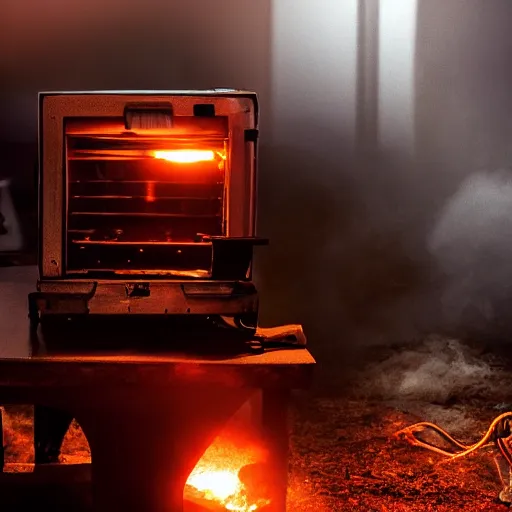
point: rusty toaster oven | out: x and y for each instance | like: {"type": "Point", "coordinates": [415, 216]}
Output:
{"type": "Point", "coordinates": [147, 204]}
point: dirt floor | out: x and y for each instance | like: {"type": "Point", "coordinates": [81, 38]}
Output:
{"type": "Point", "coordinates": [345, 455]}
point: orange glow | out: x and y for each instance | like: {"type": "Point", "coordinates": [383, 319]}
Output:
{"type": "Point", "coordinates": [185, 156]}
{"type": "Point", "coordinates": [224, 487]}
{"type": "Point", "coordinates": [150, 192]}
{"type": "Point", "coordinates": [216, 476]}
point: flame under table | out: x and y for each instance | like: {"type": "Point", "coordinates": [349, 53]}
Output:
{"type": "Point", "coordinates": [148, 416]}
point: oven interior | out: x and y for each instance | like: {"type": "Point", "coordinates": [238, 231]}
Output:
{"type": "Point", "coordinates": [145, 200]}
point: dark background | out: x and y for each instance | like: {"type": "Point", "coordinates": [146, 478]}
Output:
{"type": "Point", "coordinates": [359, 251]}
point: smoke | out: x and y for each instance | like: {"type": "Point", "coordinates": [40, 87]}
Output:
{"type": "Point", "coordinates": [437, 371]}
{"type": "Point", "coordinates": [441, 380]}
{"type": "Point", "coordinates": [472, 244]}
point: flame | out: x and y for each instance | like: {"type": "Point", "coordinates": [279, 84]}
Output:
{"type": "Point", "coordinates": [224, 487]}
{"type": "Point", "coordinates": [185, 156]}
{"type": "Point", "coordinates": [215, 484]}
{"type": "Point", "coordinates": [216, 476]}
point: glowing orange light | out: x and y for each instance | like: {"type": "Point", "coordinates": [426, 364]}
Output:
{"type": "Point", "coordinates": [216, 477]}
{"type": "Point", "coordinates": [185, 156]}
{"type": "Point", "coordinates": [222, 486]}
{"type": "Point", "coordinates": [150, 192]}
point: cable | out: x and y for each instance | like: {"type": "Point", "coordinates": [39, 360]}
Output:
{"type": "Point", "coordinates": [498, 430]}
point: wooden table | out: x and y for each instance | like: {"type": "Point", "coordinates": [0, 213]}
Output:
{"type": "Point", "coordinates": [148, 412]}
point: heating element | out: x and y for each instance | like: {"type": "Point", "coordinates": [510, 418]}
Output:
{"type": "Point", "coordinates": [148, 204]}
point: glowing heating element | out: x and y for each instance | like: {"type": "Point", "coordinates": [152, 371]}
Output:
{"type": "Point", "coordinates": [185, 156]}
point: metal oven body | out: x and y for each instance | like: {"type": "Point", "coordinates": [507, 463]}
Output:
{"type": "Point", "coordinates": [147, 204]}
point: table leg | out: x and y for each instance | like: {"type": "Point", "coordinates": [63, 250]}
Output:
{"type": "Point", "coordinates": [2, 443]}
{"type": "Point", "coordinates": [50, 428]}
{"type": "Point", "coordinates": [143, 449]}
{"type": "Point", "coordinates": [275, 405]}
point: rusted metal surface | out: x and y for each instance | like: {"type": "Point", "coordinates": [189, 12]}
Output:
{"type": "Point", "coordinates": [148, 412]}
{"type": "Point", "coordinates": [162, 297]}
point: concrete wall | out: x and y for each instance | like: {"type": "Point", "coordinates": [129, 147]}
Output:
{"type": "Point", "coordinates": [463, 137]}
{"type": "Point", "coordinates": [338, 261]}
{"type": "Point", "coordinates": [130, 44]}
{"type": "Point", "coordinates": [397, 88]}
{"type": "Point", "coordinates": [313, 72]}
{"type": "Point", "coordinates": [464, 83]}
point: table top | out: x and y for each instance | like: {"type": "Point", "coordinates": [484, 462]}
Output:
{"type": "Point", "coordinates": [17, 348]}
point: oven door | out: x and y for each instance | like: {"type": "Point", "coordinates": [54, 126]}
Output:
{"type": "Point", "coordinates": [124, 197]}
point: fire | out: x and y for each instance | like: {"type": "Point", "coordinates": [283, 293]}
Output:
{"type": "Point", "coordinates": [224, 487]}
{"type": "Point", "coordinates": [185, 156]}
{"type": "Point", "coordinates": [216, 484]}
{"type": "Point", "coordinates": [216, 477]}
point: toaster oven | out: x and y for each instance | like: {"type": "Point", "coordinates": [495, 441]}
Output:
{"type": "Point", "coordinates": [147, 204]}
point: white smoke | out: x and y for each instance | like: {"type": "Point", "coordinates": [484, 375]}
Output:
{"type": "Point", "coordinates": [435, 380]}
{"type": "Point", "coordinates": [472, 243]}
{"type": "Point", "coordinates": [433, 371]}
